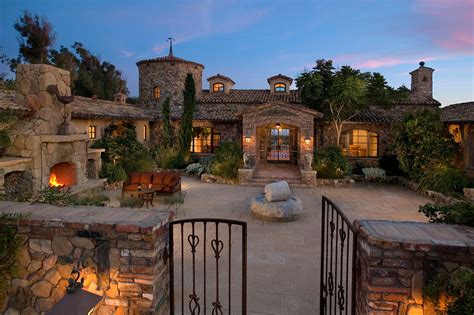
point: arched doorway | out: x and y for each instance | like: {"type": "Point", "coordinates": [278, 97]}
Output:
{"type": "Point", "coordinates": [278, 143]}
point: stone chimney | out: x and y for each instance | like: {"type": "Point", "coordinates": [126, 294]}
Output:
{"type": "Point", "coordinates": [120, 98]}
{"type": "Point", "coordinates": [31, 91]}
{"type": "Point", "coordinates": [422, 81]}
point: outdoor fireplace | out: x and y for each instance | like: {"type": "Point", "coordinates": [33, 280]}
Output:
{"type": "Point", "coordinates": [62, 175]}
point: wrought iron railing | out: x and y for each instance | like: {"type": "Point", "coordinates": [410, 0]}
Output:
{"type": "Point", "coordinates": [201, 240]}
{"type": "Point", "coordinates": [338, 261]}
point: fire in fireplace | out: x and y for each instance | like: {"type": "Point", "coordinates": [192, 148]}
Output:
{"type": "Point", "coordinates": [62, 175]}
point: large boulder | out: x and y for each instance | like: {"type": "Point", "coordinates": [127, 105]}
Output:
{"type": "Point", "coordinates": [287, 210]}
{"type": "Point", "coordinates": [278, 191]}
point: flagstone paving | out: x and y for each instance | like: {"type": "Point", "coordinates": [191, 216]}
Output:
{"type": "Point", "coordinates": [284, 258]}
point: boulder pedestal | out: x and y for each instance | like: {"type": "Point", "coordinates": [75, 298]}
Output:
{"type": "Point", "coordinates": [288, 210]}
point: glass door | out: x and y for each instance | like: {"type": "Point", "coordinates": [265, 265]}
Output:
{"type": "Point", "coordinates": [279, 145]}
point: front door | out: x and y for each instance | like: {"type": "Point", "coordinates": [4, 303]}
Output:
{"type": "Point", "coordinates": [279, 145]}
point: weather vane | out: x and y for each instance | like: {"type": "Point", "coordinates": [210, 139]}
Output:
{"type": "Point", "coordinates": [171, 39]}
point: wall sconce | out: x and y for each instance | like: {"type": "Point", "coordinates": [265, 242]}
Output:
{"type": "Point", "coordinates": [80, 302]}
{"type": "Point", "coordinates": [307, 138]}
{"type": "Point", "coordinates": [248, 137]}
{"type": "Point", "coordinates": [278, 126]}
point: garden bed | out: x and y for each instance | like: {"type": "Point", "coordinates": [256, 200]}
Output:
{"type": "Point", "coordinates": [209, 178]}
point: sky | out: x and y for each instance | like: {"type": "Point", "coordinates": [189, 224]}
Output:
{"type": "Point", "coordinates": [252, 40]}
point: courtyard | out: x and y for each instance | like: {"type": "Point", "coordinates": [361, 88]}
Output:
{"type": "Point", "coordinates": [284, 258]}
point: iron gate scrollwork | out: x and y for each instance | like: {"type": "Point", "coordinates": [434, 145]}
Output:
{"type": "Point", "coordinates": [207, 248]}
{"type": "Point", "coordinates": [338, 261]}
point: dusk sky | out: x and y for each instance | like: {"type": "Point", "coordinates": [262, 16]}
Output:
{"type": "Point", "coordinates": [250, 41]}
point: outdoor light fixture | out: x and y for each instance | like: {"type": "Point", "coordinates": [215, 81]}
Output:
{"type": "Point", "coordinates": [248, 137]}
{"type": "Point", "coordinates": [278, 126]}
{"type": "Point", "coordinates": [307, 138]}
{"type": "Point", "coordinates": [80, 302]}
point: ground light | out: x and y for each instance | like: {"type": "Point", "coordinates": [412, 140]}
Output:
{"type": "Point", "coordinates": [79, 302]}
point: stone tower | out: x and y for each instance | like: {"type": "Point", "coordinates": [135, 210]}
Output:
{"type": "Point", "coordinates": [422, 81]}
{"type": "Point", "coordinates": [164, 77]}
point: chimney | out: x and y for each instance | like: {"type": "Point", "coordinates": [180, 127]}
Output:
{"type": "Point", "coordinates": [120, 98]}
{"type": "Point", "coordinates": [422, 81]}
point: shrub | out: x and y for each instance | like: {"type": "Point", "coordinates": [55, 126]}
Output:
{"type": "Point", "coordinates": [10, 245]}
{"type": "Point", "coordinates": [330, 163]}
{"type": "Point", "coordinates": [55, 196]}
{"type": "Point", "coordinates": [228, 169]}
{"type": "Point", "coordinates": [228, 150]}
{"type": "Point", "coordinates": [458, 286]}
{"type": "Point", "coordinates": [421, 138]}
{"type": "Point", "coordinates": [171, 158]}
{"type": "Point", "coordinates": [203, 166]}
{"type": "Point", "coordinates": [390, 164]}
{"type": "Point", "coordinates": [227, 160]}
{"type": "Point", "coordinates": [123, 149]}
{"type": "Point", "coordinates": [4, 139]}
{"type": "Point", "coordinates": [113, 172]}
{"type": "Point", "coordinates": [458, 213]}
{"type": "Point", "coordinates": [130, 202]}
{"type": "Point", "coordinates": [443, 178]}
{"type": "Point", "coordinates": [91, 199]}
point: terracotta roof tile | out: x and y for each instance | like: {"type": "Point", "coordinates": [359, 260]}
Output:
{"type": "Point", "coordinates": [460, 113]}
{"type": "Point", "coordinates": [84, 107]}
{"type": "Point", "coordinates": [249, 96]}
{"type": "Point", "coordinates": [378, 115]}
{"type": "Point", "coordinates": [7, 101]}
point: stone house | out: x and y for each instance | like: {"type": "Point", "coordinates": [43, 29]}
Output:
{"type": "Point", "coordinates": [460, 121]}
{"type": "Point", "coordinates": [271, 124]}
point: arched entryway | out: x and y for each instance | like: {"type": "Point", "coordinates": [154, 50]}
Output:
{"type": "Point", "coordinates": [278, 143]}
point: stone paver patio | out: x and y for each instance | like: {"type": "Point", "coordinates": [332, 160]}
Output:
{"type": "Point", "coordinates": [283, 258]}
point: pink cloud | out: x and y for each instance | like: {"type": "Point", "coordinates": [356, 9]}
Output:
{"type": "Point", "coordinates": [448, 23]}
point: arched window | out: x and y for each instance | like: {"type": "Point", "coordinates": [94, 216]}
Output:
{"type": "Point", "coordinates": [218, 87]}
{"type": "Point", "coordinates": [280, 87]}
{"type": "Point", "coordinates": [156, 92]}
{"type": "Point", "coordinates": [360, 143]}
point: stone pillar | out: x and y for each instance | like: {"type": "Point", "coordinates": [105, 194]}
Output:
{"type": "Point", "coordinates": [394, 261]}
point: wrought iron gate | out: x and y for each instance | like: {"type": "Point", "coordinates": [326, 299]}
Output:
{"type": "Point", "coordinates": [338, 261]}
{"type": "Point", "coordinates": [206, 277]}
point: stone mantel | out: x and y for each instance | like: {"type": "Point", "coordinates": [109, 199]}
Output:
{"type": "Point", "coordinates": [7, 161]}
{"type": "Point", "coordinates": [95, 150]}
{"type": "Point", "coordinates": [64, 138]}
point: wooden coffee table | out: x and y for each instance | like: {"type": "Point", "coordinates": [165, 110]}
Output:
{"type": "Point", "coordinates": [146, 196]}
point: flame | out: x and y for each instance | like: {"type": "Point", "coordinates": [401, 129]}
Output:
{"type": "Point", "coordinates": [53, 181]}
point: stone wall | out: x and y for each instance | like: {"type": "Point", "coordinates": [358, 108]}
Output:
{"type": "Point", "coordinates": [395, 260]}
{"type": "Point", "coordinates": [128, 268]}
{"type": "Point", "coordinates": [169, 77]}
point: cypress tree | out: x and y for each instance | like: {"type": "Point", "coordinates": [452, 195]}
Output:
{"type": "Point", "coordinates": [166, 127]}
{"type": "Point", "coordinates": [186, 128]}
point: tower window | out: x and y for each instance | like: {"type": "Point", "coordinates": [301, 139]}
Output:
{"type": "Point", "coordinates": [425, 79]}
{"type": "Point", "coordinates": [280, 87]}
{"type": "Point", "coordinates": [156, 92]}
{"type": "Point", "coordinates": [92, 132]}
{"type": "Point", "coordinates": [218, 87]}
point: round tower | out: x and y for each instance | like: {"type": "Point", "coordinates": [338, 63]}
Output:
{"type": "Point", "coordinates": [164, 77]}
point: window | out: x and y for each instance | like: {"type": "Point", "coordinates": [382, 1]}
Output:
{"type": "Point", "coordinates": [280, 87]}
{"type": "Point", "coordinates": [360, 143]}
{"type": "Point", "coordinates": [205, 140]}
{"type": "Point", "coordinates": [156, 92]}
{"type": "Point", "coordinates": [455, 131]}
{"type": "Point", "coordinates": [144, 133]}
{"type": "Point", "coordinates": [92, 132]}
{"type": "Point", "coordinates": [218, 87]}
